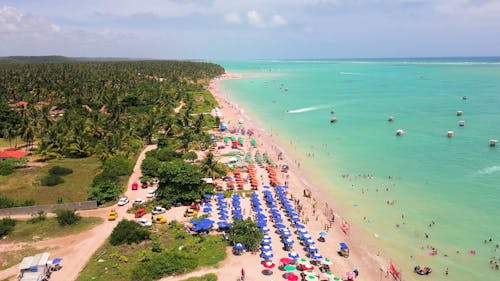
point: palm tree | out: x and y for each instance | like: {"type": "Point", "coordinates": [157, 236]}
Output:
{"type": "Point", "coordinates": [209, 166]}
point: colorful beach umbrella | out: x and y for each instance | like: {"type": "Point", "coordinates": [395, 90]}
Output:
{"type": "Point", "coordinates": [292, 277]}
{"type": "Point", "coordinates": [268, 264]}
{"type": "Point", "coordinates": [285, 261]}
{"type": "Point", "coordinates": [289, 268]}
{"type": "Point", "coordinates": [327, 261]}
{"type": "Point", "coordinates": [307, 266]}
{"type": "Point", "coordinates": [323, 234]}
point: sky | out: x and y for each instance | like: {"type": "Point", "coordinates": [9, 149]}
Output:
{"type": "Point", "coordinates": [251, 29]}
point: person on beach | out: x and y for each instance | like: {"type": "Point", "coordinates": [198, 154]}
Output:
{"type": "Point", "coordinates": [242, 274]}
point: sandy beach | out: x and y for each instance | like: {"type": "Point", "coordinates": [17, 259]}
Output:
{"type": "Point", "coordinates": [317, 209]}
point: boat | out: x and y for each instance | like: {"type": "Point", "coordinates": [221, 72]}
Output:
{"type": "Point", "coordinates": [390, 119]}
{"type": "Point", "coordinates": [460, 112]}
{"type": "Point", "coordinates": [464, 97]}
{"type": "Point", "coordinates": [461, 123]}
{"type": "Point", "coordinates": [400, 132]}
{"type": "Point", "coordinates": [493, 143]}
{"type": "Point", "coordinates": [333, 120]}
{"type": "Point", "coordinates": [422, 270]}
{"type": "Point", "coordinates": [450, 134]}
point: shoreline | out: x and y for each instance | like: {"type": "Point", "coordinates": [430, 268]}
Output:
{"type": "Point", "coordinates": [363, 256]}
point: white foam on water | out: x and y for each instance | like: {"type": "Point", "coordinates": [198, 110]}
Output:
{"type": "Point", "coordinates": [306, 109]}
{"type": "Point", "coordinates": [489, 170]}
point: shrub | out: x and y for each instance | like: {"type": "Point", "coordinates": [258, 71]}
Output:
{"type": "Point", "coordinates": [67, 217]}
{"type": "Point", "coordinates": [206, 277]}
{"type": "Point", "coordinates": [60, 171]}
{"type": "Point", "coordinates": [51, 180]}
{"type": "Point", "coordinates": [105, 191]}
{"type": "Point", "coordinates": [7, 166]}
{"type": "Point", "coordinates": [128, 232]}
{"type": "Point", "coordinates": [118, 166]}
{"type": "Point", "coordinates": [6, 202]}
{"type": "Point", "coordinates": [167, 263]}
{"type": "Point", "coordinates": [6, 226]}
{"type": "Point", "coordinates": [37, 217]}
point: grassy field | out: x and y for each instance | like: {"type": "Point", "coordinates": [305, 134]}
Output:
{"type": "Point", "coordinates": [48, 228]}
{"type": "Point", "coordinates": [118, 262]}
{"type": "Point", "coordinates": [24, 184]}
{"type": "Point", "coordinates": [10, 258]}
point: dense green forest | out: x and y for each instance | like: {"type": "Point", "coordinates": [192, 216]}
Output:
{"type": "Point", "coordinates": [109, 109]}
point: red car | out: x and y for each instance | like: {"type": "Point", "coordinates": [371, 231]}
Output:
{"type": "Point", "coordinates": [140, 212]}
{"type": "Point", "coordinates": [135, 186]}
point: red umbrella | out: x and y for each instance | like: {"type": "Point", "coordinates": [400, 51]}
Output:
{"type": "Point", "coordinates": [292, 277]}
{"type": "Point", "coordinates": [307, 266]}
{"type": "Point", "coordinates": [285, 261]}
{"type": "Point", "coordinates": [268, 264]}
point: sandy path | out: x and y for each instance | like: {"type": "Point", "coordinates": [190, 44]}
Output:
{"type": "Point", "coordinates": [77, 249]}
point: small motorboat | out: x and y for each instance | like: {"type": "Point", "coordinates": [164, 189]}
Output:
{"type": "Point", "coordinates": [422, 270]}
{"type": "Point", "coordinates": [461, 123]}
{"type": "Point", "coordinates": [464, 97]}
{"type": "Point", "coordinates": [450, 134]}
{"type": "Point", "coordinates": [493, 143]}
{"type": "Point", "coordinates": [400, 132]}
{"type": "Point", "coordinates": [390, 119]}
{"type": "Point", "coordinates": [460, 112]}
{"type": "Point", "coordinates": [333, 120]}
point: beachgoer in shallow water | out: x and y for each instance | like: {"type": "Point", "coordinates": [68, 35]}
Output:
{"type": "Point", "coordinates": [446, 271]}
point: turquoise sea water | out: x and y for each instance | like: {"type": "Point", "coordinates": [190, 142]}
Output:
{"type": "Point", "coordinates": [454, 182]}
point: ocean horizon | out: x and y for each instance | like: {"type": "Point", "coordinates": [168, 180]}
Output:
{"type": "Point", "coordinates": [411, 193]}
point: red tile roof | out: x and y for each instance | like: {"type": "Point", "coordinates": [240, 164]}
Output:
{"type": "Point", "coordinates": [13, 154]}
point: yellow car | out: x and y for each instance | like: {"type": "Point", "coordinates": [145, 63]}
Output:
{"type": "Point", "coordinates": [159, 219]}
{"type": "Point", "coordinates": [112, 215]}
{"type": "Point", "coordinates": [190, 212]}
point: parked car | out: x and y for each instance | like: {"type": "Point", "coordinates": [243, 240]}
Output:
{"type": "Point", "coordinates": [135, 186]}
{"type": "Point", "coordinates": [158, 210]}
{"type": "Point", "coordinates": [159, 219]}
{"type": "Point", "coordinates": [123, 201]}
{"type": "Point", "coordinates": [156, 181]}
{"type": "Point", "coordinates": [138, 202]}
{"type": "Point", "coordinates": [151, 194]}
{"type": "Point", "coordinates": [144, 185]}
{"type": "Point", "coordinates": [190, 212]}
{"type": "Point", "coordinates": [144, 222]}
{"type": "Point", "coordinates": [140, 212]}
{"type": "Point", "coordinates": [113, 215]}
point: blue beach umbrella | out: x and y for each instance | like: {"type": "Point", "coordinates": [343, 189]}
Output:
{"type": "Point", "coordinates": [302, 231]}
{"type": "Point", "coordinates": [286, 234]}
{"type": "Point", "coordinates": [207, 205]}
{"type": "Point", "coordinates": [323, 234]}
{"type": "Point", "coordinates": [266, 242]}
{"type": "Point", "coordinates": [207, 196]}
{"type": "Point", "coordinates": [258, 209]}
{"type": "Point", "coordinates": [299, 226]}
{"type": "Point", "coordinates": [223, 217]}
{"type": "Point", "coordinates": [223, 212]}
{"type": "Point", "coordinates": [293, 255]}
{"type": "Point", "coordinates": [261, 216]}
{"type": "Point", "coordinates": [239, 246]}
{"type": "Point", "coordinates": [312, 249]}
{"type": "Point", "coordinates": [280, 226]}
{"type": "Point", "coordinates": [261, 224]}
{"type": "Point", "coordinates": [266, 237]}
{"type": "Point", "coordinates": [223, 224]}
{"type": "Point", "coordinates": [238, 217]}
{"type": "Point", "coordinates": [207, 210]}
{"type": "Point", "coordinates": [267, 255]}
{"type": "Point", "coordinates": [266, 186]}
{"type": "Point", "coordinates": [309, 241]}
{"type": "Point", "coordinates": [265, 229]}
{"type": "Point", "coordinates": [266, 248]}
{"type": "Point", "coordinates": [295, 219]}
{"type": "Point", "coordinates": [288, 241]}
{"type": "Point", "coordinates": [316, 256]}
{"type": "Point", "coordinates": [278, 220]}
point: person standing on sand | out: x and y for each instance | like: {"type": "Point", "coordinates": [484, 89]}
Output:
{"type": "Point", "coordinates": [242, 274]}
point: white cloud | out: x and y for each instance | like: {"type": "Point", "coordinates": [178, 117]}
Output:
{"type": "Point", "coordinates": [255, 19]}
{"type": "Point", "coordinates": [14, 22]}
{"type": "Point", "coordinates": [232, 17]}
{"type": "Point", "coordinates": [278, 20]}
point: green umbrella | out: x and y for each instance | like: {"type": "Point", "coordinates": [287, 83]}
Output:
{"type": "Point", "coordinates": [253, 142]}
{"type": "Point", "coordinates": [327, 261]}
{"type": "Point", "coordinates": [311, 277]}
{"type": "Point", "coordinates": [289, 268]}
{"type": "Point", "coordinates": [226, 139]}
{"type": "Point", "coordinates": [303, 260]}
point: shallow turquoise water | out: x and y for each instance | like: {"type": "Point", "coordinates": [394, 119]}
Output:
{"type": "Point", "coordinates": [453, 182]}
